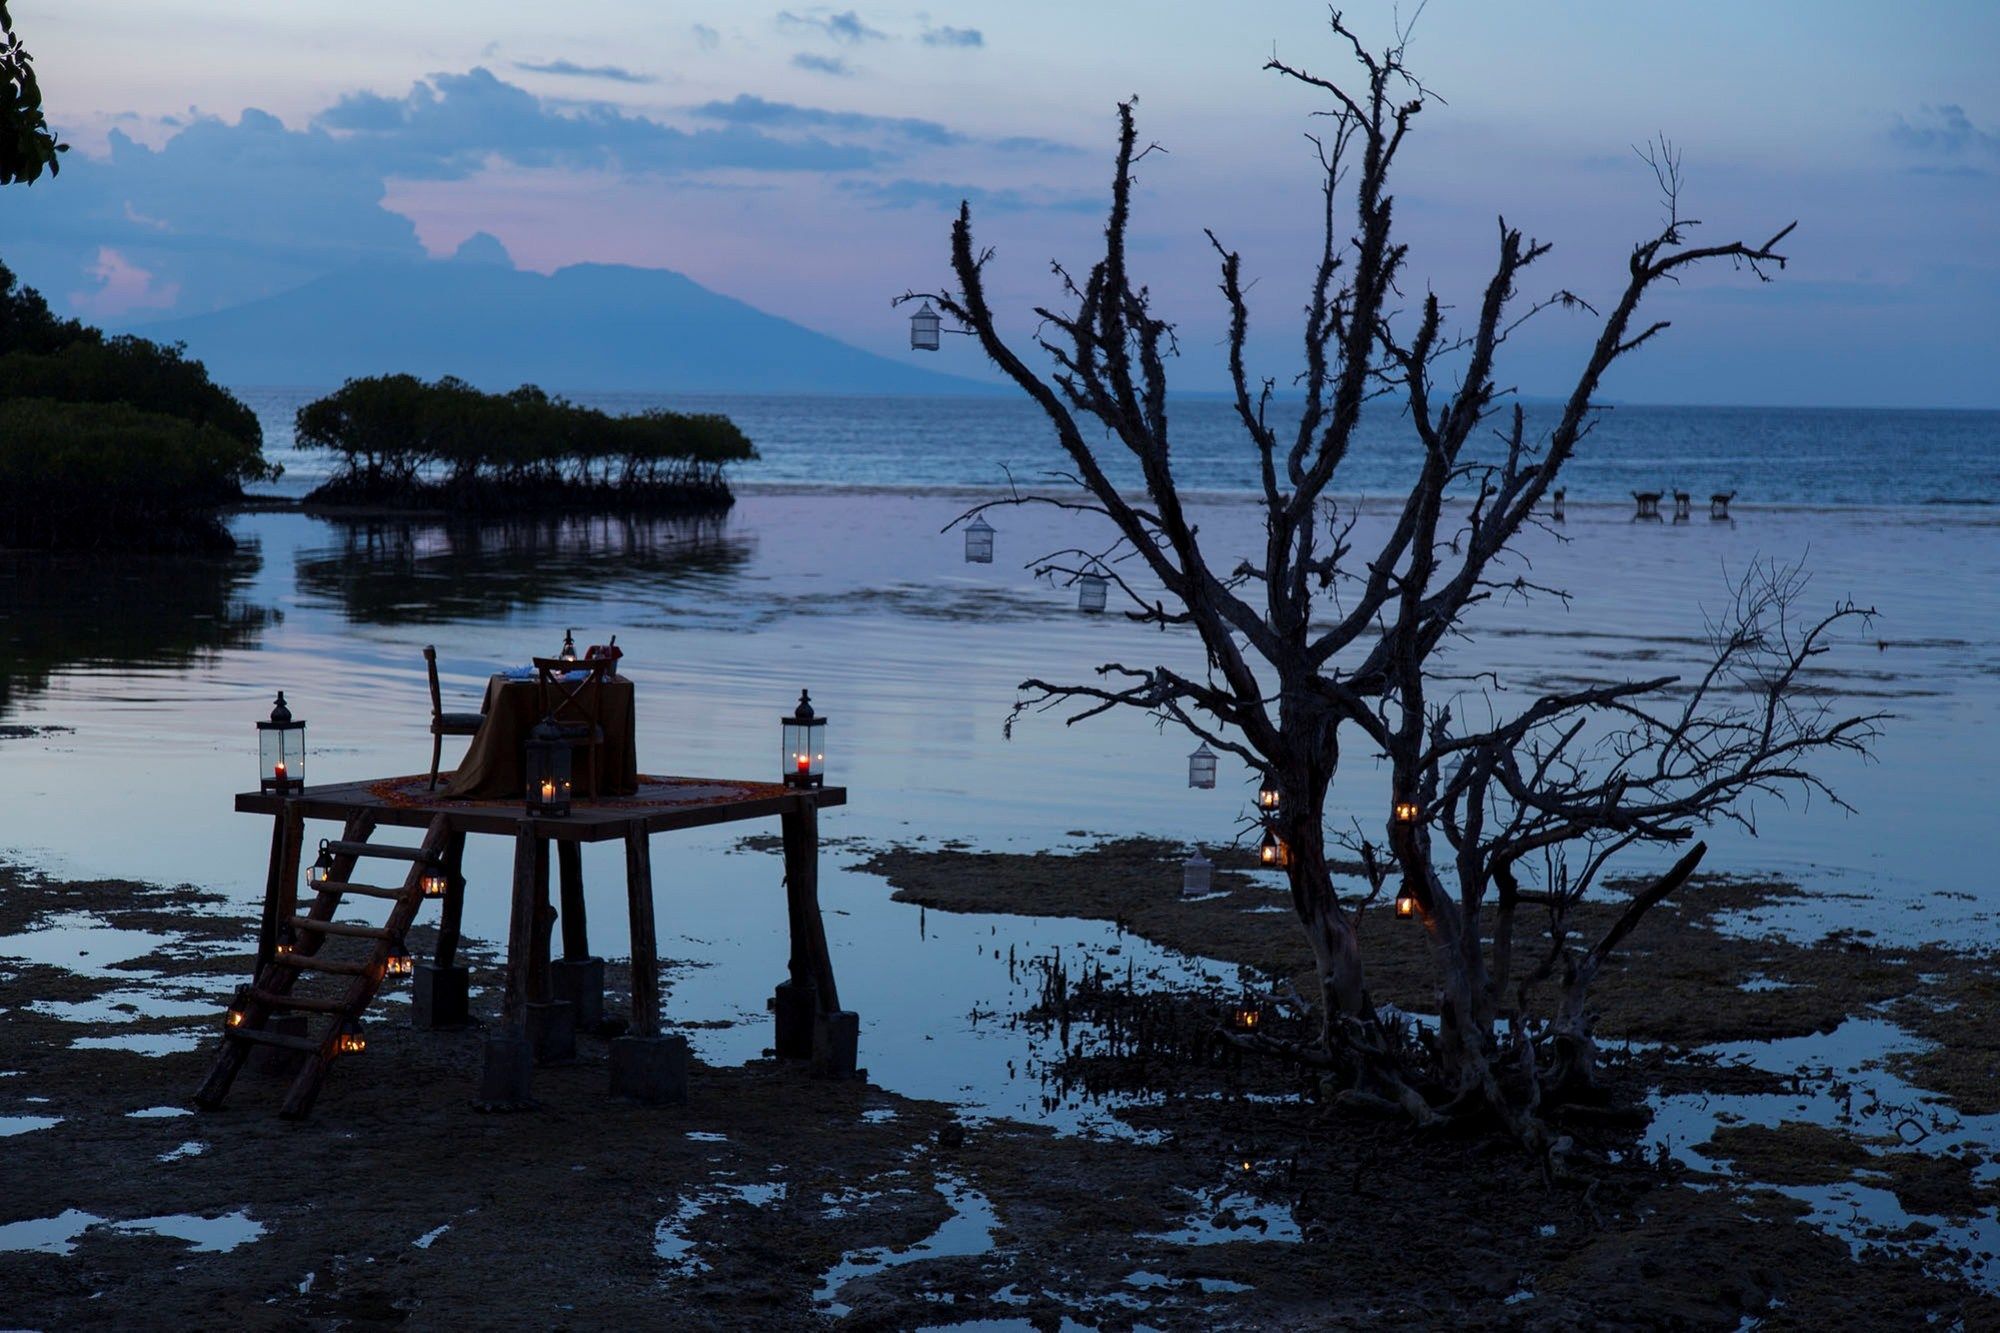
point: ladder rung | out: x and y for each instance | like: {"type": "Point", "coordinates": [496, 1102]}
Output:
{"type": "Point", "coordinates": [305, 962]}
{"type": "Point", "coordinates": [312, 1002]}
{"type": "Point", "coordinates": [340, 848]}
{"type": "Point", "coordinates": [367, 890]}
{"type": "Point", "coordinates": [341, 928]}
{"type": "Point", "coordinates": [263, 1038]}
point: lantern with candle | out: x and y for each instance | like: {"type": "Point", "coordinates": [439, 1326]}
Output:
{"type": "Point", "coordinates": [1201, 767]}
{"type": "Point", "coordinates": [568, 653]}
{"type": "Point", "coordinates": [979, 541]}
{"type": "Point", "coordinates": [1406, 903]}
{"type": "Point", "coordinates": [547, 789]}
{"type": "Point", "coordinates": [1268, 796]}
{"type": "Point", "coordinates": [804, 736]}
{"type": "Point", "coordinates": [400, 964]}
{"type": "Point", "coordinates": [1272, 851]}
{"type": "Point", "coordinates": [281, 751]}
{"type": "Point", "coordinates": [351, 1041]}
{"type": "Point", "coordinates": [1246, 1017]}
{"type": "Point", "coordinates": [434, 883]}
{"type": "Point", "coordinates": [321, 870]}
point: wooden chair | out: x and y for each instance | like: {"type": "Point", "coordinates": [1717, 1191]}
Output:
{"type": "Point", "coordinates": [445, 724]}
{"type": "Point", "coordinates": [572, 697]}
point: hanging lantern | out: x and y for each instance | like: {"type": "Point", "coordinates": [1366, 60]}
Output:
{"type": "Point", "coordinates": [1404, 814]}
{"type": "Point", "coordinates": [281, 751]}
{"type": "Point", "coordinates": [1090, 589]}
{"type": "Point", "coordinates": [1246, 1017]}
{"type": "Point", "coordinates": [924, 329]}
{"type": "Point", "coordinates": [979, 541]}
{"type": "Point", "coordinates": [321, 870]}
{"type": "Point", "coordinates": [1268, 796]}
{"type": "Point", "coordinates": [1197, 875]}
{"type": "Point", "coordinates": [351, 1041]}
{"type": "Point", "coordinates": [434, 883]}
{"type": "Point", "coordinates": [548, 770]}
{"type": "Point", "coordinates": [1201, 767]}
{"type": "Point", "coordinates": [399, 964]}
{"type": "Point", "coordinates": [234, 1016]}
{"type": "Point", "coordinates": [1272, 850]}
{"type": "Point", "coordinates": [1406, 903]}
{"type": "Point", "coordinates": [804, 736]}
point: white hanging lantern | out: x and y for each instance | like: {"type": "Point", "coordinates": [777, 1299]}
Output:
{"type": "Point", "coordinates": [1197, 875]}
{"type": "Point", "coordinates": [978, 541]}
{"type": "Point", "coordinates": [1201, 767]}
{"type": "Point", "coordinates": [924, 329]}
{"type": "Point", "coordinates": [1090, 590]}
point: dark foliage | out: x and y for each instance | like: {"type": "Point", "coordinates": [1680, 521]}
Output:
{"type": "Point", "coordinates": [27, 144]}
{"type": "Point", "coordinates": [404, 442]}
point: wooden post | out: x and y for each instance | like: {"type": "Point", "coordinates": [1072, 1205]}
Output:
{"type": "Point", "coordinates": [520, 932]}
{"type": "Point", "coordinates": [285, 851]}
{"type": "Point", "coordinates": [575, 927]}
{"type": "Point", "coordinates": [809, 951]}
{"type": "Point", "coordinates": [645, 945]}
{"type": "Point", "coordinates": [267, 927]}
{"type": "Point", "coordinates": [452, 910]}
{"type": "Point", "coordinates": [545, 920]}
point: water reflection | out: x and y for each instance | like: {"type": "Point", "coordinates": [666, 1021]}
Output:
{"type": "Point", "coordinates": [431, 572]}
{"type": "Point", "coordinates": [58, 614]}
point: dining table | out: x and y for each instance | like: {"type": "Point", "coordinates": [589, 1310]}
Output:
{"type": "Point", "coordinates": [495, 764]}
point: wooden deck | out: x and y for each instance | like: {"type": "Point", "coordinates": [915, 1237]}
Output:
{"type": "Point", "coordinates": [660, 805]}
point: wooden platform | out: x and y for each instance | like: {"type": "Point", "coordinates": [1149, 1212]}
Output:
{"type": "Point", "coordinates": [661, 804]}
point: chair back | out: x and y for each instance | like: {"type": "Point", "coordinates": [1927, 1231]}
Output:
{"type": "Point", "coordinates": [570, 690]}
{"type": "Point", "coordinates": [431, 665]}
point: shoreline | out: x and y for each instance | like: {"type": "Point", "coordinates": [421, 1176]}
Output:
{"type": "Point", "coordinates": [771, 1198]}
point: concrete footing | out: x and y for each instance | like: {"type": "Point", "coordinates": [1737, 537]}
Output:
{"type": "Point", "coordinates": [507, 1082]}
{"type": "Point", "coordinates": [580, 981]}
{"type": "Point", "coordinates": [653, 1070]}
{"type": "Point", "coordinates": [276, 1061]}
{"type": "Point", "coordinates": [440, 996]}
{"type": "Point", "coordinates": [792, 1011]}
{"type": "Point", "coordinates": [836, 1044]}
{"type": "Point", "coordinates": [552, 1032]}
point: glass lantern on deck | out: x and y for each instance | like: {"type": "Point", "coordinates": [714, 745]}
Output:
{"type": "Point", "coordinates": [1090, 590]}
{"type": "Point", "coordinates": [1201, 767]}
{"type": "Point", "coordinates": [924, 329]}
{"type": "Point", "coordinates": [804, 735]}
{"type": "Point", "coordinates": [978, 541]}
{"type": "Point", "coordinates": [547, 789]}
{"type": "Point", "coordinates": [281, 751]}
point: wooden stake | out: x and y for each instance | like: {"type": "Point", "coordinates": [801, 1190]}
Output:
{"type": "Point", "coordinates": [809, 951]}
{"type": "Point", "coordinates": [520, 932]}
{"type": "Point", "coordinates": [575, 928]}
{"type": "Point", "coordinates": [645, 945]}
{"type": "Point", "coordinates": [453, 907]}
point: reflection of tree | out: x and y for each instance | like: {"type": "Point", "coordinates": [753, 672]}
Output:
{"type": "Point", "coordinates": [402, 571]}
{"type": "Point", "coordinates": [62, 612]}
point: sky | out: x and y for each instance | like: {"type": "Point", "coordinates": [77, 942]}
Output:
{"type": "Point", "coordinates": [808, 160]}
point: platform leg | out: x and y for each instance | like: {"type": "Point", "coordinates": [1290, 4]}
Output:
{"type": "Point", "coordinates": [507, 1079]}
{"type": "Point", "coordinates": [645, 944]}
{"type": "Point", "coordinates": [452, 910]}
{"type": "Point", "coordinates": [577, 976]}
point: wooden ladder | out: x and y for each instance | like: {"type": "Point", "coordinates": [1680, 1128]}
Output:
{"type": "Point", "coordinates": [298, 954]}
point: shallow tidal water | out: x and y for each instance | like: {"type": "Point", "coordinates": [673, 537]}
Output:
{"type": "Point", "coordinates": [139, 689]}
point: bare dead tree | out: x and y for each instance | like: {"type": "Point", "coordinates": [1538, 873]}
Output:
{"type": "Point", "coordinates": [1308, 642]}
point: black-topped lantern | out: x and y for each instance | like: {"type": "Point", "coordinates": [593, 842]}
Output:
{"type": "Point", "coordinates": [1272, 851]}
{"type": "Point", "coordinates": [548, 770]}
{"type": "Point", "coordinates": [1201, 767]}
{"type": "Point", "coordinates": [804, 733]}
{"type": "Point", "coordinates": [568, 653]}
{"type": "Point", "coordinates": [924, 329]}
{"type": "Point", "coordinates": [321, 870]}
{"type": "Point", "coordinates": [978, 541]}
{"type": "Point", "coordinates": [1269, 798]}
{"type": "Point", "coordinates": [281, 751]}
{"type": "Point", "coordinates": [1406, 903]}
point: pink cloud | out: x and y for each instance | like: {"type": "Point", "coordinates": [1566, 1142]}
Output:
{"type": "Point", "coordinates": [122, 288]}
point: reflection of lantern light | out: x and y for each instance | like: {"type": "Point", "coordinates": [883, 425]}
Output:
{"type": "Point", "coordinates": [803, 734]}
{"type": "Point", "coordinates": [1406, 903]}
{"type": "Point", "coordinates": [281, 751]}
{"type": "Point", "coordinates": [1201, 767]}
{"type": "Point", "coordinates": [979, 541]}
{"type": "Point", "coordinates": [1268, 797]}
{"type": "Point", "coordinates": [1272, 850]}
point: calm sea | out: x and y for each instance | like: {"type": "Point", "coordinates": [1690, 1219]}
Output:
{"type": "Point", "coordinates": [1810, 456]}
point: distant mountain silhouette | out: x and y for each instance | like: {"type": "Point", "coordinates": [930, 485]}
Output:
{"type": "Point", "coordinates": [585, 327]}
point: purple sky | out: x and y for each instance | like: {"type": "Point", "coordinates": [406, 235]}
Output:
{"type": "Point", "coordinates": [807, 159]}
